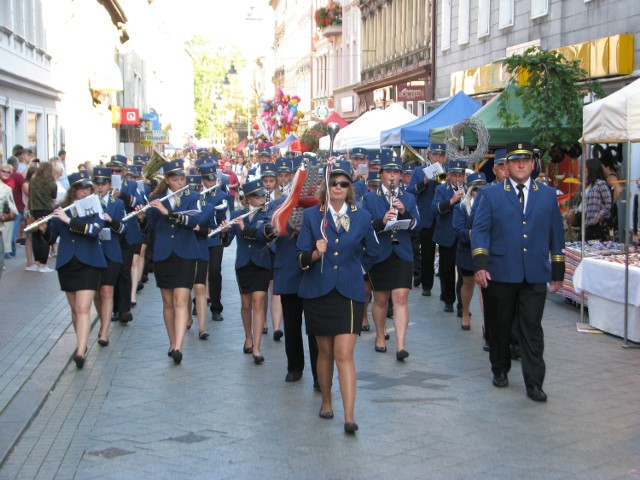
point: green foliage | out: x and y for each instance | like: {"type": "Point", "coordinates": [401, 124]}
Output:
{"type": "Point", "coordinates": [552, 97]}
{"type": "Point", "coordinates": [311, 136]}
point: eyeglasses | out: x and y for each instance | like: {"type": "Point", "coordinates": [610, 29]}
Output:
{"type": "Point", "coordinates": [5, 171]}
{"type": "Point", "coordinates": [342, 184]}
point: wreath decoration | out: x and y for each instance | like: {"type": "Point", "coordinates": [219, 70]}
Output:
{"type": "Point", "coordinates": [455, 141]}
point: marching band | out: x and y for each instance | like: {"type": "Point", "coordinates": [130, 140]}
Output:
{"type": "Point", "coordinates": [348, 231]}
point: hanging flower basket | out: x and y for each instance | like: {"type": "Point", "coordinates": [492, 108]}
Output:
{"type": "Point", "coordinates": [328, 16]}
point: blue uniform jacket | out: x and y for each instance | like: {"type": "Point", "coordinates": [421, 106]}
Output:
{"type": "Point", "coordinates": [377, 205]}
{"type": "Point", "coordinates": [346, 256]}
{"type": "Point", "coordinates": [111, 247]}
{"type": "Point", "coordinates": [287, 274]}
{"type": "Point", "coordinates": [131, 197]}
{"type": "Point", "coordinates": [218, 201]}
{"type": "Point", "coordinates": [424, 196]}
{"type": "Point", "coordinates": [515, 246]}
{"type": "Point", "coordinates": [80, 239]}
{"type": "Point", "coordinates": [174, 233]}
{"type": "Point", "coordinates": [202, 236]}
{"type": "Point", "coordinates": [360, 189]}
{"type": "Point", "coordinates": [252, 242]}
{"type": "Point", "coordinates": [462, 229]}
{"type": "Point", "coordinates": [443, 212]}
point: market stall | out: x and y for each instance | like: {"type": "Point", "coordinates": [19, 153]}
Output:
{"type": "Point", "coordinates": [604, 278]}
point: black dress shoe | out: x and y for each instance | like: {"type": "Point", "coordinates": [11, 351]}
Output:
{"type": "Point", "coordinates": [350, 427]}
{"type": "Point", "coordinates": [247, 350]}
{"type": "Point", "coordinates": [326, 415]}
{"type": "Point", "coordinates": [216, 317]}
{"type": "Point", "coordinates": [125, 317]}
{"type": "Point", "coordinates": [177, 357]}
{"type": "Point", "coordinates": [401, 355]}
{"type": "Point", "coordinates": [485, 346]}
{"type": "Point", "coordinates": [536, 394]}
{"type": "Point", "coordinates": [417, 280]}
{"type": "Point", "coordinates": [277, 335]}
{"type": "Point", "coordinates": [258, 359]}
{"type": "Point", "coordinates": [293, 376]}
{"type": "Point", "coordinates": [515, 351]}
{"type": "Point", "coordinates": [426, 292]}
{"type": "Point", "coordinates": [103, 342]}
{"type": "Point", "coordinates": [79, 359]}
{"type": "Point", "coordinates": [448, 307]}
{"type": "Point", "coordinates": [500, 380]}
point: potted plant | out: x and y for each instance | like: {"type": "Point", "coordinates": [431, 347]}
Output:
{"type": "Point", "coordinates": [329, 16]}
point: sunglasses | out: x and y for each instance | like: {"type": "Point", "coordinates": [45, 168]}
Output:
{"type": "Point", "coordinates": [342, 184]}
{"type": "Point", "coordinates": [116, 170]}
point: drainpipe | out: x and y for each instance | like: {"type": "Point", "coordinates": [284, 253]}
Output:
{"type": "Point", "coordinates": [433, 49]}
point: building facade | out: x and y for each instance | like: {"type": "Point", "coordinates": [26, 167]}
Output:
{"type": "Point", "coordinates": [475, 35]}
{"type": "Point", "coordinates": [28, 96]}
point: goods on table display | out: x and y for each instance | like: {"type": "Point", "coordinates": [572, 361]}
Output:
{"type": "Point", "coordinates": [572, 253]}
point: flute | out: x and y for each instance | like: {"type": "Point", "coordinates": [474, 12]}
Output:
{"type": "Point", "coordinates": [204, 192]}
{"type": "Point", "coordinates": [130, 215]}
{"type": "Point", "coordinates": [35, 225]}
{"type": "Point", "coordinates": [235, 220]}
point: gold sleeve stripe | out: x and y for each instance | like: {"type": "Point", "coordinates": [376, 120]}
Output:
{"type": "Point", "coordinates": [557, 258]}
{"type": "Point", "coordinates": [479, 251]}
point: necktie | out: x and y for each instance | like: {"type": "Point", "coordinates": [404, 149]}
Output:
{"type": "Point", "coordinates": [343, 221]}
{"type": "Point", "coordinates": [521, 195]}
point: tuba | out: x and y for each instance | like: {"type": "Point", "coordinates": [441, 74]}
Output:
{"type": "Point", "coordinates": [411, 156]}
{"type": "Point", "coordinates": [153, 166]}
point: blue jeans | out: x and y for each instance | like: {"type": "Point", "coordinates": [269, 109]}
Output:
{"type": "Point", "coordinates": [14, 234]}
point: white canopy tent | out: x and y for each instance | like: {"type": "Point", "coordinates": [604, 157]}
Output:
{"type": "Point", "coordinates": [365, 131]}
{"type": "Point", "coordinates": [616, 119]}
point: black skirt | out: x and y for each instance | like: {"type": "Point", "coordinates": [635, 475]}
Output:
{"type": "Point", "coordinates": [109, 276]}
{"type": "Point", "coordinates": [252, 278]}
{"type": "Point", "coordinates": [75, 276]}
{"type": "Point", "coordinates": [333, 314]}
{"type": "Point", "coordinates": [201, 272]}
{"type": "Point", "coordinates": [175, 272]}
{"type": "Point", "coordinates": [391, 274]}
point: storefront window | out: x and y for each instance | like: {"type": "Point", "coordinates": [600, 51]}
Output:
{"type": "Point", "coordinates": [52, 134]}
{"type": "Point", "coordinates": [32, 132]}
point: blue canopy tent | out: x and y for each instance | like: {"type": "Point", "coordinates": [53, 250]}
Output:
{"type": "Point", "coordinates": [416, 132]}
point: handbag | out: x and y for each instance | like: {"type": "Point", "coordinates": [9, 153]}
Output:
{"type": "Point", "coordinates": [573, 219]}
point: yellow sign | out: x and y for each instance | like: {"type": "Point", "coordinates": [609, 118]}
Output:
{"type": "Point", "coordinates": [146, 143]}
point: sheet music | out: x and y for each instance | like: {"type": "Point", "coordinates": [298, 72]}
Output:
{"type": "Point", "coordinates": [116, 182]}
{"type": "Point", "coordinates": [398, 225]}
{"type": "Point", "coordinates": [88, 206]}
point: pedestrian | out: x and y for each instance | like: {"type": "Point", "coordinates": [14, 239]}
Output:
{"type": "Point", "coordinates": [175, 250]}
{"type": "Point", "coordinates": [330, 253]}
{"type": "Point", "coordinates": [80, 259]}
{"type": "Point", "coordinates": [597, 202]}
{"type": "Point", "coordinates": [113, 209]}
{"type": "Point", "coordinates": [517, 245]}
{"type": "Point", "coordinates": [423, 186]}
{"type": "Point", "coordinates": [392, 272]}
{"type": "Point", "coordinates": [253, 263]}
{"type": "Point", "coordinates": [462, 223]}
{"type": "Point", "coordinates": [42, 195]}
{"type": "Point", "coordinates": [8, 212]}
{"type": "Point", "coordinates": [447, 196]}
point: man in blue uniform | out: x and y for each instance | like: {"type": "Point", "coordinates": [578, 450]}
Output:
{"type": "Point", "coordinates": [517, 240]}
{"type": "Point", "coordinates": [359, 157]}
{"type": "Point", "coordinates": [424, 188]}
{"type": "Point", "coordinates": [447, 196]}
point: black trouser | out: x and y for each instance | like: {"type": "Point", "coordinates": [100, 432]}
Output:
{"type": "Point", "coordinates": [122, 291]}
{"type": "Point", "coordinates": [215, 278]}
{"type": "Point", "coordinates": [292, 317]}
{"type": "Point", "coordinates": [448, 273]}
{"type": "Point", "coordinates": [428, 255]}
{"type": "Point", "coordinates": [39, 245]}
{"type": "Point", "coordinates": [522, 303]}
{"type": "Point", "coordinates": [487, 323]}
{"type": "Point", "coordinates": [417, 262]}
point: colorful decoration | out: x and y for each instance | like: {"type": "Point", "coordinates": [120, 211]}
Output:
{"type": "Point", "coordinates": [329, 15]}
{"type": "Point", "coordinates": [280, 117]}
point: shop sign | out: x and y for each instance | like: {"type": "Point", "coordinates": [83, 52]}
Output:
{"type": "Point", "coordinates": [410, 93]}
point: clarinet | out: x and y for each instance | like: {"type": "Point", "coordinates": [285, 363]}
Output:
{"type": "Point", "coordinates": [392, 196]}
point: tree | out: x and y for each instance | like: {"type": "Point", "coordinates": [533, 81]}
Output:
{"type": "Point", "coordinates": [552, 96]}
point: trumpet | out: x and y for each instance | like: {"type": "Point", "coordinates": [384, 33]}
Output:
{"type": "Point", "coordinates": [35, 225]}
{"type": "Point", "coordinates": [130, 215]}
{"type": "Point", "coordinates": [435, 172]}
{"type": "Point", "coordinates": [217, 230]}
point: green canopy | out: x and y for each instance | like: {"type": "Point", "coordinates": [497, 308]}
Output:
{"type": "Point", "coordinates": [499, 136]}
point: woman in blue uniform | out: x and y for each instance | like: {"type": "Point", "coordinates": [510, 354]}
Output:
{"type": "Point", "coordinates": [330, 252]}
{"type": "Point", "coordinates": [110, 242]}
{"type": "Point", "coordinates": [175, 250]}
{"type": "Point", "coordinates": [462, 221]}
{"type": "Point", "coordinates": [80, 260]}
{"type": "Point", "coordinates": [253, 264]}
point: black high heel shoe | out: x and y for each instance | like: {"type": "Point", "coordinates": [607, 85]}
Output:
{"type": "Point", "coordinates": [103, 342]}
{"type": "Point", "coordinates": [247, 350]}
{"type": "Point", "coordinates": [350, 427]}
{"type": "Point", "coordinates": [258, 359]}
{"type": "Point", "coordinates": [79, 359]}
{"type": "Point", "coordinates": [177, 357]}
